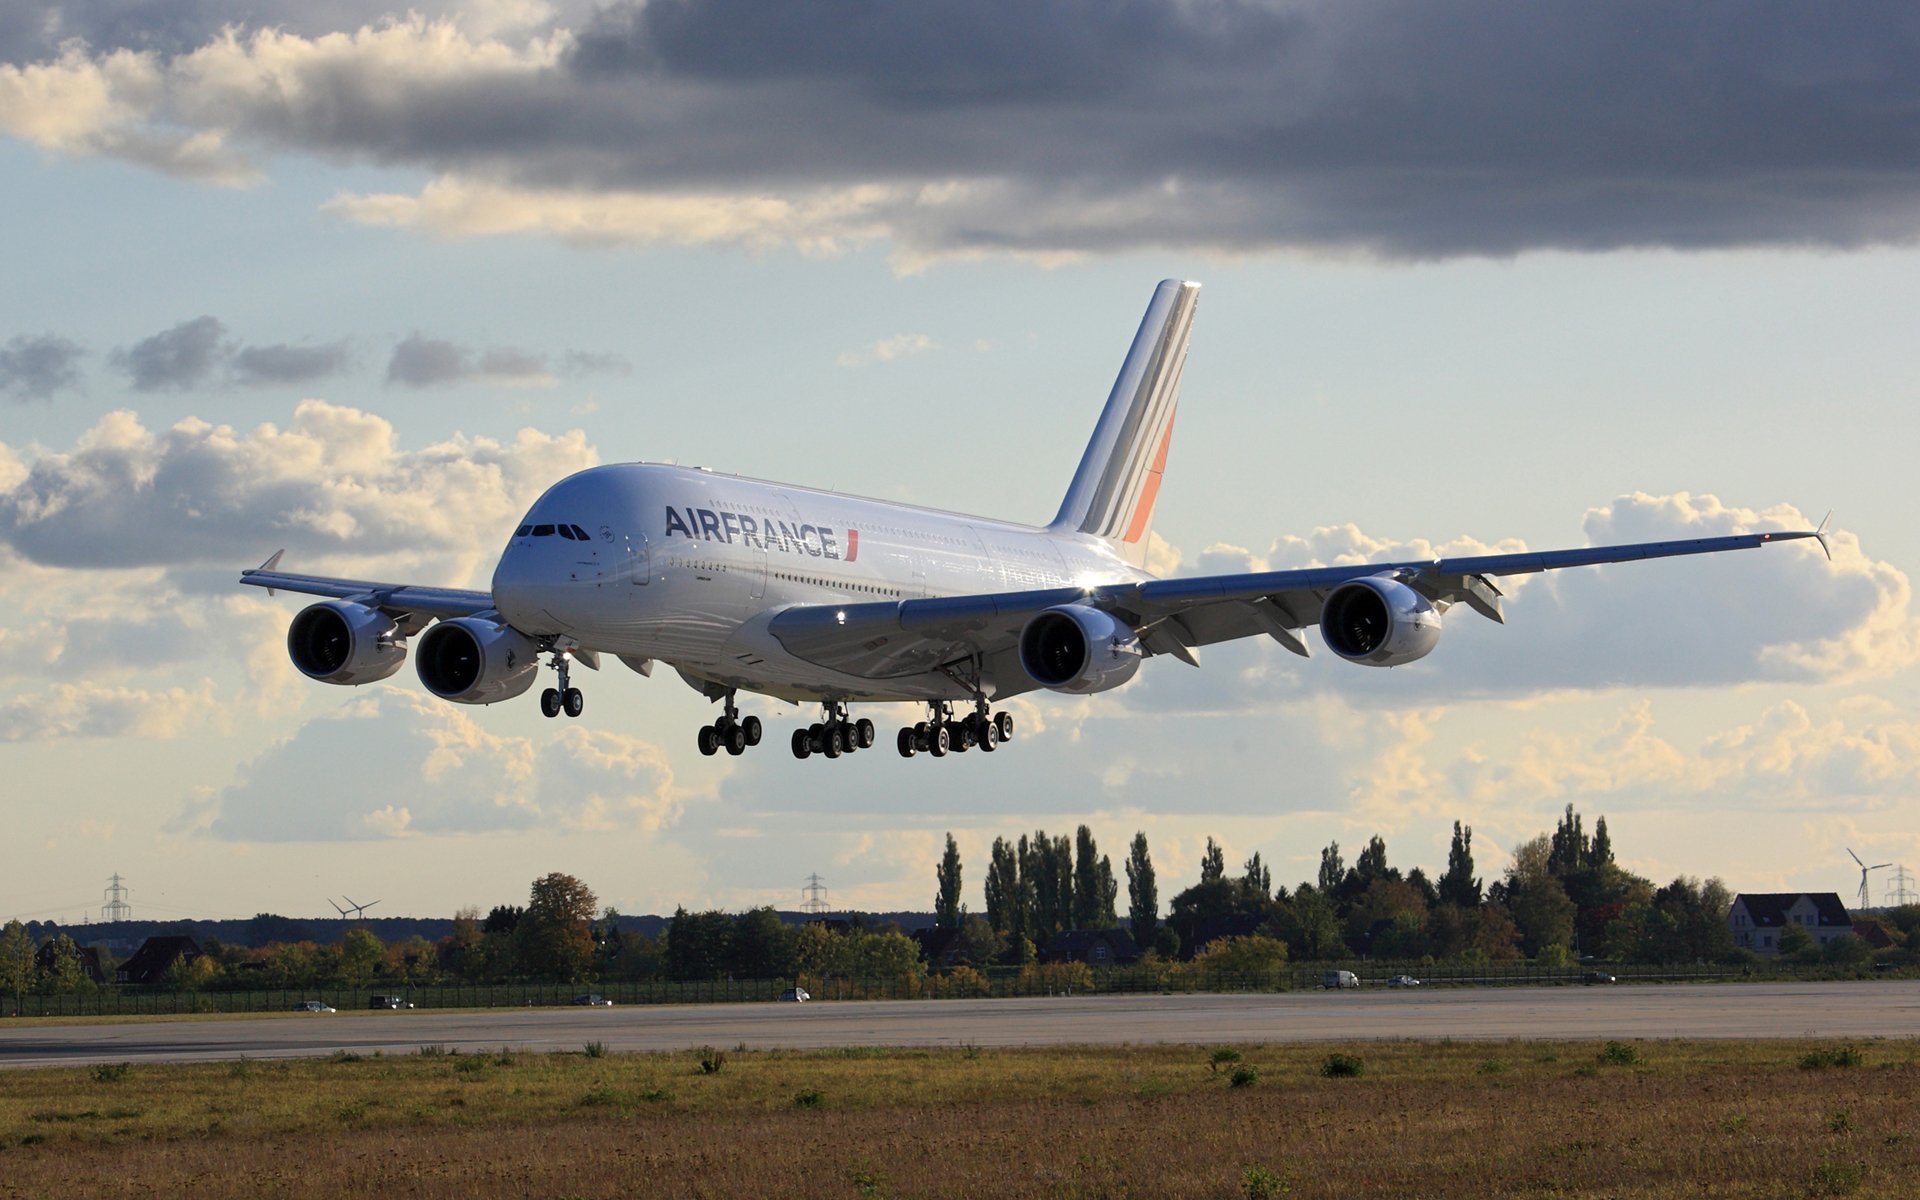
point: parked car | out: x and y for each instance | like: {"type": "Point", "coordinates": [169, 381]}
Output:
{"type": "Point", "coordinates": [1592, 977]}
{"type": "Point", "coordinates": [1339, 979]}
{"type": "Point", "coordinates": [1403, 981]}
{"type": "Point", "coordinates": [795, 994]}
{"type": "Point", "coordinates": [311, 1006]}
{"type": "Point", "coordinates": [593, 999]}
{"type": "Point", "coordinates": [389, 1002]}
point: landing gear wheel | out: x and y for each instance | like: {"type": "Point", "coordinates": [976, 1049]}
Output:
{"type": "Point", "coordinates": [989, 736]}
{"type": "Point", "coordinates": [1003, 722]}
{"type": "Point", "coordinates": [736, 740]}
{"type": "Point", "coordinates": [709, 740]}
{"type": "Point", "coordinates": [752, 728]}
{"type": "Point", "coordinates": [938, 740]}
{"type": "Point", "coordinates": [905, 741]}
{"type": "Point", "coordinates": [864, 731]}
{"type": "Point", "coordinates": [831, 739]}
{"type": "Point", "coordinates": [849, 737]}
{"type": "Point", "coordinates": [958, 737]}
{"type": "Point", "coordinates": [572, 702]}
{"type": "Point", "coordinates": [550, 703]}
{"type": "Point", "coordinates": [920, 735]}
{"type": "Point", "coordinates": [802, 744]}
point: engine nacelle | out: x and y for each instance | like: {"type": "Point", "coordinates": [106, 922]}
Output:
{"type": "Point", "coordinates": [471, 661]}
{"type": "Point", "coordinates": [1073, 648]}
{"type": "Point", "coordinates": [338, 641]}
{"type": "Point", "coordinates": [1379, 622]}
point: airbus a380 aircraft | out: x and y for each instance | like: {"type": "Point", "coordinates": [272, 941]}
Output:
{"type": "Point", "coordinates": [739, 584]}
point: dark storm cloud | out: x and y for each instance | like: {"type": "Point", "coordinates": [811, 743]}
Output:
{"type": "Point", "coordinates": [180, 357]}
{"type": "Point", "coordinates": [262, 365]}
{"type": "Point", "coordinates": [34, 368]}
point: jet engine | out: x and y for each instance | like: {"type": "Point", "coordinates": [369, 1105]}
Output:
{"type": "Point", "coordinates": [1073, 648]}
{"type": "Point", "coordinates": [472, 661]}
{"type": "Point", "coordinates": [1378, 621]}
{"type": "Point", "coordinates": [338, 641]}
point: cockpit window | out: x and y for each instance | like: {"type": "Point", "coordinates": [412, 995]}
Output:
{"type": "Point", "coordinates": [543, 531]}
{"type": "Point", "coordinates": [565, 531]}
{"type": "Point", "coordinates": [579, 534]}
{"type": "Point", "coordinates": [522, 531]}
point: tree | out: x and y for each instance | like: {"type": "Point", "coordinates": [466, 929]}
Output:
{"type": "Point", "coordinates": [1309, 924]}
{"type": "Point", "coordinates": [946, 905]}
{"type": "Point", "coordinates": [1600, 854]}
{"type": "Point", "coordinates": [1257, 880]}
{"type": "Point", "coordinates": [1003, 888]}
{"type": "Point", "coordinates": [1570, 848]}
{"type": "Point", "coordinates": [1459, 886]}
{"type": "Point", "coordinates": [1255, 961]}
{"type": "Point", "coordinates": [979, 944]}
{"type": "Point", "coordinates": [1797, 946]}
{"type": "Point", "coordinates": [16, 961]}
{"type": "Point", "coordinates": [1213, 864]}
{"type": "Point", "coordinates": [700, 945]}
{"type": "Point", "coordinates": [62, 974]}
{"type": "Point", "coordinates": [1108, 890]}
{"type": "Point", "coordinates": [555, 935]}
{"type": "Point", "coordinates": [1333, 870]}
{"type": "Point", "coordinates": [1542, 912]}
{"type": "Point", "coordinates": [761, 946]}
{"type": "Point", "coordinates": [360, 952]}
{"type": "Point", "coordinates": [1087, 900]}
{"type": "Point", "coordinates": [1143, 898]}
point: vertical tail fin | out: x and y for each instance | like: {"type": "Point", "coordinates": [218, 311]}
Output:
{"type": "Point", "coordinates": [1114, 490]}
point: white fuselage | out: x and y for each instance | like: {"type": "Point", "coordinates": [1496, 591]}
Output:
{"type": "Point", "coordinates": [687, 567]}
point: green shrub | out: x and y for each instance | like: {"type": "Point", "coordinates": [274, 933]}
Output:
{"type": "Point", "coordinates": [1342, 1066]}
{"type": "Point", "coordinates": [1838, 1056]}
{"type": "Point", "coordinates": [809, 1099]}
{"type": "Point", "coordinates": [111, 1072]}
{"type": "Point", "coordinates": [1619, 1054]}
{"type": "Point", "coordinates": [1221, 1058]}
{"type": "Point", "coordinates": [712, 1061]}
{"type": "Point", "coordinates": [595, 1049]}
{"type": "Point", "coordinates": [1244, 1077]}
{"type": "Point", "coordinates": [1262, 1183]}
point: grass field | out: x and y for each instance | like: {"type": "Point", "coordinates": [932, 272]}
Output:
{"type": "Point", "coordinates": [1645, 1119]}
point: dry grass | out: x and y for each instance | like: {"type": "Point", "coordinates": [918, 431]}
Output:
{"type": "Point", "coordinates": [1515, 1119]}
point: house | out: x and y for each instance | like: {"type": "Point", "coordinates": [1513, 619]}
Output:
{"type": "Point", "coordinates": [1757, 919]}
{"type": "Point", "coordinates": [1874, 934]}
{"type": "Point", "coordinates": [155, 957]}
{"type": "Point", "coordinates": [89, 959]}
{"type": "Point", "coordinates": [1095, 947]}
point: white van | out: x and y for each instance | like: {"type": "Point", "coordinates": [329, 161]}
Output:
{"type": "Point", "coordinates": [1339, 979]}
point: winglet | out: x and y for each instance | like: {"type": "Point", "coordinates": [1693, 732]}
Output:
{"type": "Point", "coordinates": [269, 565]}
{"type": "Point", "coordinates": [1820, 534]}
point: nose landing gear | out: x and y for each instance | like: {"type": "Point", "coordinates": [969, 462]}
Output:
{"type": "Point", "coordinates": [731, 732]}
{"type": "Point", "coordinates": [564, 698]}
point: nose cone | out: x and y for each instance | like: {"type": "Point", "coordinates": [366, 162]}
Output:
{"type": "Point", "coordinates": [523, 592]}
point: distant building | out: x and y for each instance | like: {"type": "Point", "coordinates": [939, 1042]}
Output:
{"type": "Point", "coordinates": [1874, 934]}
{"type": "Point", "coordinates": [1095, 947]}
{"type": "Point", "coordinates": [1757, 919]}
{"type": "Point", "coordinates": [88, 956]}
{"type": "Point", "coordinates": [155, 957]}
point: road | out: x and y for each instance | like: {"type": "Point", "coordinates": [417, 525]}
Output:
{"type": "Point", "coordinates": [1785, 1010]}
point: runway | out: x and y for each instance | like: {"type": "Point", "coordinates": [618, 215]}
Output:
{"type": "Point", "coordinates": [1786, 1010]}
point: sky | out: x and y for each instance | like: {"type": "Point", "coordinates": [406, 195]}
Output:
{"type": "Point", "coordinates": [360, 282]}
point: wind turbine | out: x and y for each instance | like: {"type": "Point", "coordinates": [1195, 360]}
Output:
{"type": "Point", "coordinates": [1864, 868]}
{"type": "Point", "coordinates": [359, 911]}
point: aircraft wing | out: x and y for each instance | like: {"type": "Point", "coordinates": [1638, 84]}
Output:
{"type": "Point", "coordinates": [391, 598]}
{"type": "Point", "coordinates": [1175, 616]}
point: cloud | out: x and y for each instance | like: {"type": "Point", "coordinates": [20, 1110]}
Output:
{"type": "Point", "coordinates": [903, 345]}
{"type": "Point", "coordinates": [332, 482]}
{"type": "Point", "coordinates": [92, 710]}
{"type": "Point", "coordinates": [421, 362]}
{"type": "Point", "coordinates": [1404, 128]}
{"type": "Point", "coordinates": [34, 368]}
{"type": "Point", "coordinates": [281, 364]}
{"type": "Point", "coordinates": [181, 357]}
{"type": "Point", "coordinates": [392, 763]}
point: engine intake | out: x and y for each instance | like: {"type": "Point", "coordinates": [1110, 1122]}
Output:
{"type": "Point", "coordinates": [338, 641]}
{"type": "Point", "coordinates": [1379, 622]}
{"type": "Point", "coordinates": [471, 661]}
{"type": "Point", "coordinates": [1073, 648]}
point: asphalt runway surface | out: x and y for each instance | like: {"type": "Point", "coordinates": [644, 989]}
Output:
{"type": "Point", "coordinates": [1787, 1010]}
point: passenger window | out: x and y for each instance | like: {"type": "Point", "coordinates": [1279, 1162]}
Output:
{"type": "Point", "coordinates": [543, 531]}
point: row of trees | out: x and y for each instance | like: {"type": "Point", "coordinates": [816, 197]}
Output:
{"type": "Point", "coordinates": [1563, 896]}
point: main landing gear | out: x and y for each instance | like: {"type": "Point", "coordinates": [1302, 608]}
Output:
{"type": "Point", "coordinates": [564, 698]}
{"type": "Point", "coordinates": [940, 734]}
{"type": "Point", "coordinates": [835, 734]}
{"type": "Point", "coordinates": [731, 732]}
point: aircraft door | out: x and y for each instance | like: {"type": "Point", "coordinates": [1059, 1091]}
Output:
{"type": "Point", "coordinates": [641, 562]}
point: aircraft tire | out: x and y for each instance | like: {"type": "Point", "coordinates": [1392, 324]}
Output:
{"type": "Point", "coordinates": [572, 702]}
{"type": "Point", "coordinates": [802, 744]}
{"type": "Point", "coordinates": [709, 740]}
{"type": "Point", "coordinates": [989, 736]}
{"type": "Point", "coordinates": [550, 703]}
{"type": "Point", "coordinates": [831, 748]}
{"type": "Point", "coordinates": [906, 741]}
{"type": "Point", "coordinates": [1004, 723]}
{"type": "Point", "coordinates": [736, 741]}
{"type": "Point", "coordinates": [938, 743]}
{"type": "Point", "coordinates": [865, 733]}
{"type": "Point", "coordinates": [753, 731]}
{"type": "Point", "coordinates": [920, 735]}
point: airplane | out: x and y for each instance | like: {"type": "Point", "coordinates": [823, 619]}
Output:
{"type": "Point", "coordinates": [814, 596]}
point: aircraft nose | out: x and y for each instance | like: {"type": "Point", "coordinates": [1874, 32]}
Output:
{"type": "Point", "coordinates": [521, 591]}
